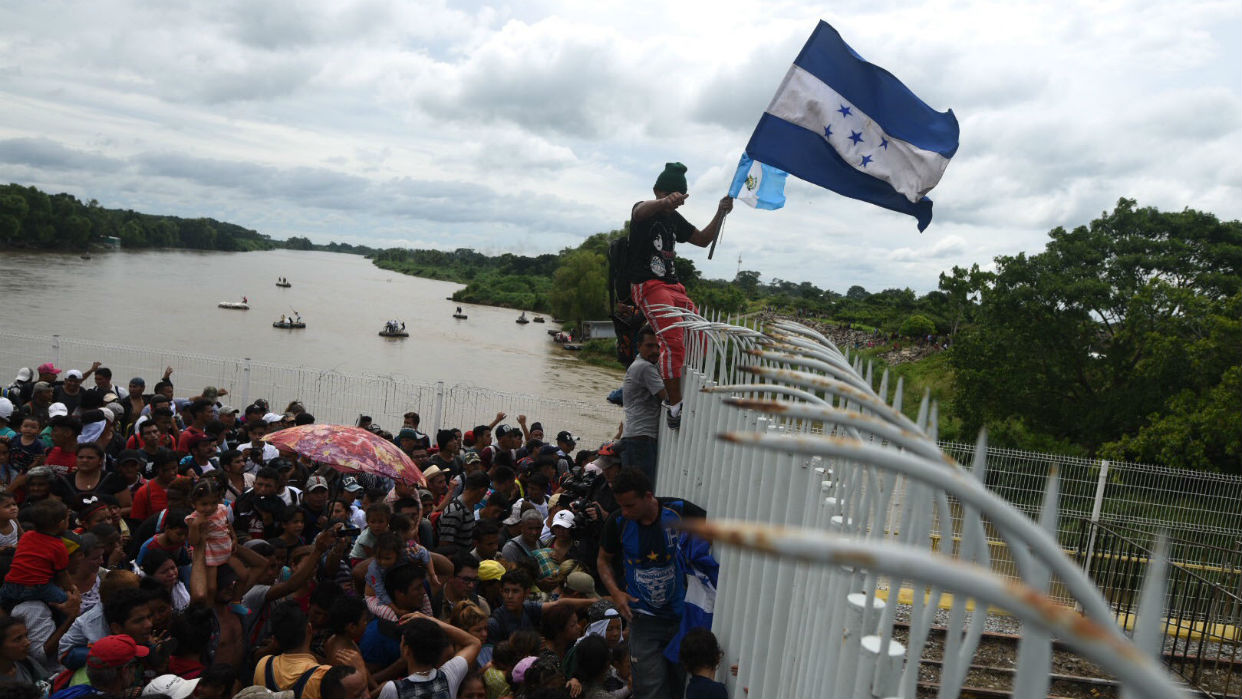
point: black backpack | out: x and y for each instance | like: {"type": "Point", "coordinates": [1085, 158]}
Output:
{"type": "Point", "coordinates": [627, 318]}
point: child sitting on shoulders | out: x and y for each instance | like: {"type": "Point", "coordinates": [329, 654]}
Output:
{"type": "Point", "coordinates": [40, 565]}
{"type": "Point", "coordinates": [389, 551]}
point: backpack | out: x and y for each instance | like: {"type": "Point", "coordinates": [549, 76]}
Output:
{"type": "Point", "coordinates": [627, 319]}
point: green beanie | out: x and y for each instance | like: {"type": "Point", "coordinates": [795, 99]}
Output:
{"type": "Point", "coordinates": [673, 179]}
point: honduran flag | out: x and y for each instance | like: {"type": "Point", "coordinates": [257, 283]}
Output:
{"type": "Point", "coordinates": [843, 123]}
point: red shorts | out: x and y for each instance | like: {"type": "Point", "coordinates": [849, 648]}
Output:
{"type": "Point", "coordinates": [654, 292]}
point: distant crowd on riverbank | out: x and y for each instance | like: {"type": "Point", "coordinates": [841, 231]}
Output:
{"type": "Point", "coordinates": [154, 543]}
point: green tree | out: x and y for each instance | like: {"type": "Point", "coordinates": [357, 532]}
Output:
{"type": "Point", "coordinates": [917, 326]}
{"type": "Point", "coordinates": [580, 287]}
{"type": "Point", "coordinates": [1089, 340]}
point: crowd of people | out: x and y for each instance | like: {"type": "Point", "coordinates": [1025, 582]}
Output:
{"type": "Point", "coordinates": [152, 543]}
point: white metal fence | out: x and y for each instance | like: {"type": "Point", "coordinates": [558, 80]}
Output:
{"type": "Point", "coordinates": [333, 397]}
{"type": "Point", "coordinates": [825, 495]}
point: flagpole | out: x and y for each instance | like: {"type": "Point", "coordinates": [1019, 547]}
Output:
{"type": "Point", "coordinates": [719, 232]}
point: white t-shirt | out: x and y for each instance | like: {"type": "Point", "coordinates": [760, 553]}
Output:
{"type": "Point", "coordinates": [455, 671]}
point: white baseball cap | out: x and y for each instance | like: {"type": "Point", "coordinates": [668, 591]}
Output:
{"type": "Point", "coordinates": [171, 685]}
{"type": "Point", "coordinates": [57, 409]}
{"type": "Point", "coordinates": [564, 518]}
{"type": "Point", "coordinates": [73, 374]}
{"type": "Point", "coordinates": [6, 408]}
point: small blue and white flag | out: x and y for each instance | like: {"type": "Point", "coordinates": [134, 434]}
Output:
{"type": "Point", "coordinates": [761, 186]}
{"type": "Point", "coordinates": [842, 123]}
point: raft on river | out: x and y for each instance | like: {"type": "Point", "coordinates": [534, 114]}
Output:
{"type": "Point", "coordinates": [234, 305]}
{"type": "Point", "coordinates": [288, 325]}
{"type": "Point", "coordinates": [393, 333]}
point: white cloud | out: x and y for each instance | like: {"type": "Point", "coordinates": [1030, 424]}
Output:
{"type": "Point", "coordinates": [527, 127]}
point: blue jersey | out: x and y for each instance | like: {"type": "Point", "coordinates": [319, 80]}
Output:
{"type": "Point", "coordinates": [655, 571]}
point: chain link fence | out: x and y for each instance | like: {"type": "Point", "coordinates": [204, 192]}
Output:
{"type": "Point", "coordinates": [333, 397]}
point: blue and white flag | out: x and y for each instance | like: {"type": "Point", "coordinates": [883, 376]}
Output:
{"type": "Point", "coordinates": [842, 123]}
{"type": "Point", "coordinates": [761, 186]}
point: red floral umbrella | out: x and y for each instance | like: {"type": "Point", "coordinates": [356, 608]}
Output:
{"type": "Point", "coordinates": [350, 450]}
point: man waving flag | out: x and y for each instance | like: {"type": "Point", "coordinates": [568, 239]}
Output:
{"type": "Point", "coordinates": [842, 123]}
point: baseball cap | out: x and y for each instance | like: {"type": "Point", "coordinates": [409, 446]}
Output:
{"type": "Point", "coordinates": [565, 436]}
{"type": "Point", "coordinates": [515, 514]}
{"type": "Point", "coordinates": [227, 409]}
{"type": "Point", "coordinates": [351, 484]}
{"type": "Point", "coordinates": [115, 651]}
{"type": "Point", "coordinates": [564, 518]}
{"type": "Point", "coordinates": [47, 368]}
{"type": "Point", "coordinates": [555, 500]}
{"type": "Point", "coordinates": [72, 541]}
{"type": "Point", "coordinates": [130, 455]}
{"type": "Point", "coordinates": [24, 374]}
{"type": "Point", "coordinates": [172, 686]}
{"type": "Point", "coordinates": [491, 570]}
{"type": "Point", "coordinates": [40, 472]}
{"type": "Point", "coordinates": [272, 417]}
{"type": "Point", "coordinates": [6, 408]}
{"type": "Point", "coordinates": [582, 583]}
{"type": "Point", "coordinates": [316, 482]}
{"type": "Point", "coordinates": [57, 410]}
{"type": "Point", "coordinates": [42, 386]}
{"type": "Point", "coordinates": [504, 430]}
{"type": "Point", "coordinates": [211, 393]}
{"type": "Point", "coordinates": [259, 692]}
{"type": "Point", "coordinates": [73, 374]}
{"type": "Point", "coordinates": [409, 433]}
{"type": "Point", "coordinates": [472, 457]}
{"type": "Point", "coordinates": [536, 426]}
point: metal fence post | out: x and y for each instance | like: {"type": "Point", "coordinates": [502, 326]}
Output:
{"type": "Point", "coordinates": [245, 381]}
{"type": "Point", "coordinates": [1098, 505]}
{"type": "Point", "coordinates": [55, 349]}
{"type": "Point", "coordinates": [437, 417]}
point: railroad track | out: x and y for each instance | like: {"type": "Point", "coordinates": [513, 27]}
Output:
{"type": "Point", "coordinates": [991, 673]}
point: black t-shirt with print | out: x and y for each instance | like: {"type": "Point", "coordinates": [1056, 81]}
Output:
{"type": "Point", "coordinates": [651, 247]}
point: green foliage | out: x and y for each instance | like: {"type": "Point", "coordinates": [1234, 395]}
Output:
{"type": "Point", "coordinates": [30, 218]}
{"type": "Point", "coordinates": [1107, 333]}
{"type": "Point", "coordinates": [917, 326]}
{"type": "Point", "coordinates": [580, 287]}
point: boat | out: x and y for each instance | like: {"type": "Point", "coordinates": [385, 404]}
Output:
{"type": "Point", "coordinates": [234, 305]}
{"type": "Point", "coordinates": [288, 325]}
{"type": "Point", "coordinates": [392, 329]}
{"type": "Point", "coordinates": [459, 315]}
{"type": "Point", "coordinates": [85, 256]}
{"type": "Point", "coordinates": [538, 319]}
{"type": "Point", "coordinates": [522, 319]}
{"type": "Point", "coordinates": [283, 285]}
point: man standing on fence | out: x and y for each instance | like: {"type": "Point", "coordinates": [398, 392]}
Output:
{"type": "Point", "coordinates": [655, 227]}
{"type": "Point", "coordinates": [641, 394]}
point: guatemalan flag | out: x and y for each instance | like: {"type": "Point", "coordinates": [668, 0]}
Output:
{"type": "Point", "coordinates": [761, 186]}
{"type": "Point", "coordinates": [842, 123]}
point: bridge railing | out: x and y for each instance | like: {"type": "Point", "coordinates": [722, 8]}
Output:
{"type": "Point", "coordinates": [824, 497]}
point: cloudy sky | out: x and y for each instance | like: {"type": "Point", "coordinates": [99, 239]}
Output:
{"type": "Point", "coordinates": [527, 126]}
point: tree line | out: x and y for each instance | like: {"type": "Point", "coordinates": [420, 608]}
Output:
{"type": "Point", "coordinates": [33, 219]}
